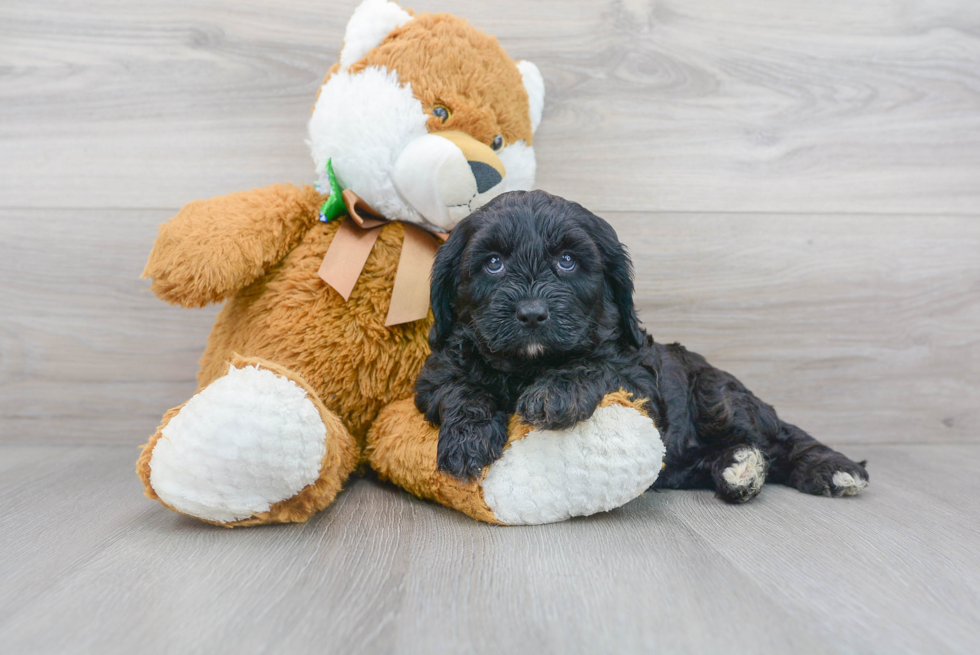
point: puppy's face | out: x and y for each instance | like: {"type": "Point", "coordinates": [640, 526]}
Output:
{"type": "Point", "coordinates": [533, 277]}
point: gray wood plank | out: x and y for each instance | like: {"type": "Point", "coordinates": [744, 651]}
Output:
{"type": "Point", "coordinates": [381, 572]}
{"type": "Point", "coordinates": [859, 328]}
{"type": "Point", "coordinates": [63, 506]}
{"type": "Point", "coordinates": [894, 571]}
{"type": "Point", "coordinates": [88, 354]}
{"type": "Point", "coordinates": [800, 126]}
{"type": "Point", "coordinates": [675, 105]}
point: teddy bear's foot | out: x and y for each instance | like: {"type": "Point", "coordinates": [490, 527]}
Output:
{"type": "Point", "coordinates": [543, 476]}
{"type": "Point", "coordinates": [255, 446]}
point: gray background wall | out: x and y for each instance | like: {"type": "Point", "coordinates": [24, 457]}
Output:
{"type": "Point", "coordinates": [799, 184]}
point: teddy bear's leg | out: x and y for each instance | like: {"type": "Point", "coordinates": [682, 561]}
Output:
{"type": "Point", "coordinates": [543, 476]}
{"type": "Point", "coordinates": [255, 446]}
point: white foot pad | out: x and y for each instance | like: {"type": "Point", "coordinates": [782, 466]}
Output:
{"type": "Point", "coordinates": [247, 441]}
{"type": "Point", "coordinates": [748, 472]}
{"type": "Point", "coordinates": [850, 484]}
{"type": "Point", "coordinates": [595, 466]}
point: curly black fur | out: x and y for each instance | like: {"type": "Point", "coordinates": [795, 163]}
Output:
{"type": "Point", "coordinates": [515, 331]}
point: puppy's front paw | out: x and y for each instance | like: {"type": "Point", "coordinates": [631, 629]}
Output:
{"type": "Point", "coordinates": [467, 446]}
{"type": "Point", "coordinates": [557, 404]}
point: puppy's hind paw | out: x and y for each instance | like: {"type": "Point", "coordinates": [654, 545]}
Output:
{"type": "Point", "coordinates": [847, 484]}
{"type": "Point", "coordinates": [740, 473]}
{"type": "Point", "coordinates": [831, 474]}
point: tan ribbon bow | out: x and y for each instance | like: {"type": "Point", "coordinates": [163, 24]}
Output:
{"type": "Point", "coordinates": [351, 246]}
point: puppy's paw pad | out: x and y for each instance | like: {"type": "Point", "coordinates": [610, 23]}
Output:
{"type": "Point", "coordinates": [742, 479]}
{"type": "Point", "coordinates": [847, 484]}
{"type": "Point", "coordinates": [748, 469]}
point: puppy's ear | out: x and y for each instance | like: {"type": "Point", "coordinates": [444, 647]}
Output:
{"type": "Point", "coordinates": [618, 269]}
{"type": "Point", "coordinates": [445, 280]}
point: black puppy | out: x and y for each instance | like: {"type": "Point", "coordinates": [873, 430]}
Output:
{"type": "Point", "coordinates": [533, 304]}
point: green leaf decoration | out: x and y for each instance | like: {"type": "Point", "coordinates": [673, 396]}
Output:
{"type": "Point", "coordinates": [334, 206]}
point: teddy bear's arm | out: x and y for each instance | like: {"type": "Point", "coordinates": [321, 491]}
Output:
{"type": "Point", "coordinates": [212, 248]}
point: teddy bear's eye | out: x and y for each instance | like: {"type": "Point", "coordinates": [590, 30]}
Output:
{"type": "Point", "coordinates": [494, 264]}
{"type": "Point", "coordinates": [498, 142]}
{"type": "Point", "coordinates": [441, 112]}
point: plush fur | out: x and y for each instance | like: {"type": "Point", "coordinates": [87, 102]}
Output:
{"type": "Point", "coordinates": [381, 117]}
{"type": "Point", "coordinates": [594, 466]}
{"type": "Point", "coordinates": [370, 109]}
{"type": "Point", "coordinates": [371, 22]}
{"type": "Point", "coordinates": [542, 477]}
{"type": "Point", "coordinates": [402, 450]}
{"type": "Point", "coordinates": [260, 250]}
{"type": "Point", "coordinates": [340, 456]}
{"type": "Point", "coordinates": [213, 248]}
{"type": "Point", "coordinates": [352, 361]}
{"type": "Point", "coordinates": [534, 85]}
{"type": "Point", "coordinates": [515, 331]}
{"type": "Point", "coordinates": [488, 99]}
{"type": "Point", "coordinates": [271, 425]}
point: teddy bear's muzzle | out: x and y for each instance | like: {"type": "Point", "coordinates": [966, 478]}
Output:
{"type": "Point", "coordinates": [448, 175]}
{"type": "Point", "coordinates": [486, 176]}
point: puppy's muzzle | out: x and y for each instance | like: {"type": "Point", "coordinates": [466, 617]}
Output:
{"type": "Point", "coordinates": [448, 175]}
{"type": "Point", "coordinates": [532, 313]}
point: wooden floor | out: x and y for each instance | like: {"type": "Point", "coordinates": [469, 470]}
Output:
{"type": "Point", "coordinates": [799, 185]}
{"type": "Point", "coordinates": [90, 566]}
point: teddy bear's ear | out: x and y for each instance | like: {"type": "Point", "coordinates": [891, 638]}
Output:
{"type": "Point", "coordinates": [372, 21]}
{"type": "Point", "coordinates": [534, 85]}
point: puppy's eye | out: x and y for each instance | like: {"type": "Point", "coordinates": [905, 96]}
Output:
{"type": "Point", "coordinates": [441, 112]}
{"type": "Point", "coordinates": [498, 142]}
{"type": "Point", "coordinates": [495, 265]}
{"type": "Point", "coordinates": [566, 262]}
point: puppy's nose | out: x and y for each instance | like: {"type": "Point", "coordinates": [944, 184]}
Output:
{"type": "Point", "coordinates": [532, 312]}
{"type": "Point", "coordinates": [486, 176]}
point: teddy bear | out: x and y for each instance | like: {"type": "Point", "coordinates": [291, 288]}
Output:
{"type": "Point", "coordinates": [308, 372]}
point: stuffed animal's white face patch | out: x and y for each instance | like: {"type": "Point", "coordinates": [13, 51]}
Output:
{"type": "Point", "coordinates": [362, 122]}
{"type": "Point", "coordinates": [374, 130]}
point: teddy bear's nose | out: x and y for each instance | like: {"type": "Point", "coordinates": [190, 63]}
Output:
{"type": "Point", "coordinates": [447, 175]}
{"type": "Point", "coordinates": [486, 176]}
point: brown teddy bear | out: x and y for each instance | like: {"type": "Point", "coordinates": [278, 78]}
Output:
{"type": "Point", "coordinates": [423, 120]}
